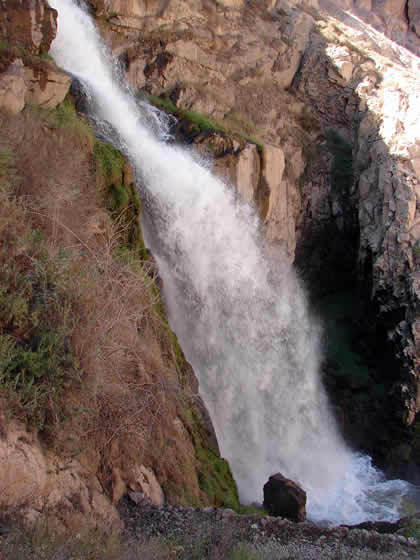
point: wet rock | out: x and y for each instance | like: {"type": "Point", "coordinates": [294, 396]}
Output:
{"type": "Point", "coordinates": [284, 498]}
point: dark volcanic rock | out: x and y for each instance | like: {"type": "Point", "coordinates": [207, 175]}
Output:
{"type": "Point", "coordinates": [284, 498]}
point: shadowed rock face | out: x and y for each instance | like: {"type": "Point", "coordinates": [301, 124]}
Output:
{"type": "Point", "coordinates": [284, 498]}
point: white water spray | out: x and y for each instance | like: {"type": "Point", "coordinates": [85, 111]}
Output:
{"type": "Point", "coordinates": [243, 323]}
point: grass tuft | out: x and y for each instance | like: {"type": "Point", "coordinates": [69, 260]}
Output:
{"type": "Point", "coordinates": [63, 116]}
{"type": "Point", "coordinates": [201, 123]}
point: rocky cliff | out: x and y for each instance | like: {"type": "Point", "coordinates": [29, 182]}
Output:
{"type": "Point", "coordinates": [328, 93]}
{"type": "Point", "coordinates": [312, 114]}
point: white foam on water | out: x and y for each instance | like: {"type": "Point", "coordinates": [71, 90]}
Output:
{"type": "Point", "coordinates": [242, 319]}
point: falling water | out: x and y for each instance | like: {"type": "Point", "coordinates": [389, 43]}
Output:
{"type": "Point", "coordinates": [242, 319]}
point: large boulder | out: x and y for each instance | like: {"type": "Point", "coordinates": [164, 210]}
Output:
{"type": "Point", "coordinates": [284, 498]}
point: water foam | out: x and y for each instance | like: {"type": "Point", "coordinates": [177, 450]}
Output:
{"type": "Point", "coordinates": [242, 318]}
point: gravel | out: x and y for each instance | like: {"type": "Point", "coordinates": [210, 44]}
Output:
{"type": "Point", "coordinates": [204, 530]}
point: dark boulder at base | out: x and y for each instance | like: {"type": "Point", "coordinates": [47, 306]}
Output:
{"type": "Point", "coordinates": [284, 498]}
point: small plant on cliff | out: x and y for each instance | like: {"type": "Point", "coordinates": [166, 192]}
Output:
{"type": "Point", "coordinates": [121, 197]}
{"type": "Point", "coordinates": [215, 476]}
{"type": "Point", "coordinates": [63, 116]}
{"type": "Point", "coordinates": [35, 322]}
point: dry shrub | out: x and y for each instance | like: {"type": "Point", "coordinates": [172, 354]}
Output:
{"type": "Point", "coordinates": [124, 406]}
{"type": "Point", "coordinates": [118, 340]}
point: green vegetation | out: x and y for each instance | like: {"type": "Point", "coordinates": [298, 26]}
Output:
{"type": "Point", "coordinates": [121, 198]}
{"type": "Point", "coordinates": [342, 175]}
{"type": "Point", "coordinates": [110, 159]}
{"type": "Point", "coordinates": [88, 308]}
{"type": "Point", "coordinates": [63, 116]}
{"type": "Point", "coordinates": [35, 326]}
{"type": "Point", "coordinates": [238, 122]}
{"type": "Point", "coordinates": [200, 123]}
{"type": "Point", "coordinates": [215, 476]}
{"type": "Point", "coordinates": [411, 521]}
{"type": "Point", "coordinates": [46, 56]}
{"type": "Point", "coordinates": [205, 542]}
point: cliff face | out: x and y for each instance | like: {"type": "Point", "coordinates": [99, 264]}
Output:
{"type": "Point", "coordinates": [313, 116]}
{"type": "Point", "coordinates": [97, 398]}
{"type": "Point", "coordinates": [335, 103]}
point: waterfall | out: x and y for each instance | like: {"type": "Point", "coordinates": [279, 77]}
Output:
{"type": "Point", "coordinates": [241, 317]}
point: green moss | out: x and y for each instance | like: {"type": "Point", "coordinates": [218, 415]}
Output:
{"type": "Point", "coordinates": [63, 116]}
{"type": "Point", "coordinates": [180, 360]}
{"type": "Point", "coordinates": [164, 103]}
{"type": "Point", "coordinates": [46, 56]}
{"type": "Point", "coordinates": [215, 477]}
{"type": "Point", "coordinates": [203, 123]}
{"type": "Point", "coordinates": [200, 123]}
{"type": "Point", "coordinates": [251, 510]}
{"type": "Point", "coordinates": [121, 198]}
{"type": "Point", "coordinates": [110, 160]}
